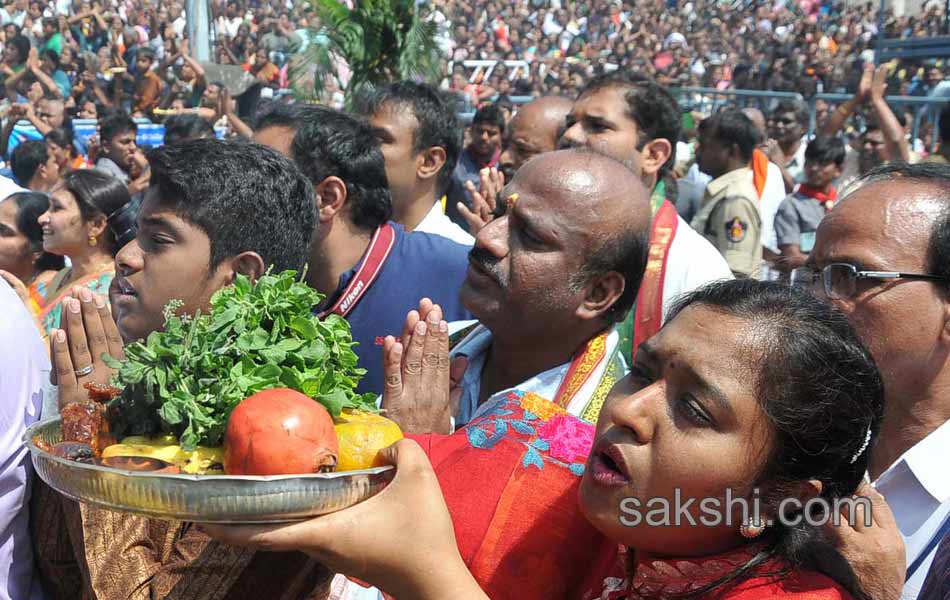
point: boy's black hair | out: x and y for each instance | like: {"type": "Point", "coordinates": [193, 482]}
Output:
{"type": "Point", "coordinates": [243, 196]}
{"type": "Point", "coordinates": [490, 114]}
{"type": "Point", "coordinates": [825, 149]}
{"type": "Point", "coordinates": [27, 159]}
{"type": "Point", "coordinates": [114, 125]}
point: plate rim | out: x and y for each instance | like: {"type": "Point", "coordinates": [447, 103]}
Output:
{"type": "Point", "coordinates": [195, 478]}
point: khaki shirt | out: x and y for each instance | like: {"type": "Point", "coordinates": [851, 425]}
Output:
{"type": "Point", "coordinates": [729, 218]}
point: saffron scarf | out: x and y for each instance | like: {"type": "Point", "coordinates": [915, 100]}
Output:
{"type": "Point", "coordinates": [760, 170]}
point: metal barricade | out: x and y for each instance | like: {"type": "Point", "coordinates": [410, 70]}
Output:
{"type": "Point", "coordinates": [711, 100]}
{"type": "Point", "coordinates": [485, 68]}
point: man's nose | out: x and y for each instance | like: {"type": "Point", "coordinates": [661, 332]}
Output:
{"type": "Point", "coordinates": [493, 237]}
{"type": "Point", "coordinates": [572, 137]}
{"type": "Point", "coordinates": [129, 259]}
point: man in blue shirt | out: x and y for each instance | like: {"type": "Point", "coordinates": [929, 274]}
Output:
{"type": "Point", "coordinates": [370, 269]}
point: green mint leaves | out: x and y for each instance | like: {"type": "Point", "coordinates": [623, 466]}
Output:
{"type": "Point", "coordinates": [187, 379]}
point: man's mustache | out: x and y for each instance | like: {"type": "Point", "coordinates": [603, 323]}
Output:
{"type": "Point", "coordinates": [486, 262]}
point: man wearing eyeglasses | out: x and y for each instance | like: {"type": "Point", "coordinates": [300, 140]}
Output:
{"type": "Point", "coordinates": [882, 255]}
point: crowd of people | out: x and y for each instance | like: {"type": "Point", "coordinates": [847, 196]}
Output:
{"type": "Point", "coordinates": [574, 308]}
{"type": "Point", "coordinates": [803, 47]}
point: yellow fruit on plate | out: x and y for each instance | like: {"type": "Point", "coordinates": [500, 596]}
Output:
{"type": "Point", "coordinates": [170, 454]}
{"type": "Point", "coordinates": [203, 460]}
{"type": "Point", "coordinates": [361, 435]}
{"type": "Point", "coordinates": [200, 460]}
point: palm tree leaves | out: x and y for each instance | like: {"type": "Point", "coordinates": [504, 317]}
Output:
{"type": "Point", "coordinates": [421, 55]}
{"type": "Point", "coordinates": [379, 41]}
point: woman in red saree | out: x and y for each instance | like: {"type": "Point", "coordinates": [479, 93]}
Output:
{"type": "Point", "coordinates": [751, 390]}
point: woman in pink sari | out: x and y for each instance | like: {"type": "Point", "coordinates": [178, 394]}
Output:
{"type": "Point", "coordinates": [751, 391]}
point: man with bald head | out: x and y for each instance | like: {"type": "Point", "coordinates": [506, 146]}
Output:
{"type": "Point", "coordinates": [534, 129]}
{"type": "Point", "coordinates": [548, 280]}
{"type": "Point", "coordinates": [882, 255]}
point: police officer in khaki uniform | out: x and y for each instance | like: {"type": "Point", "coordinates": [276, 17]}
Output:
{"type": "Point", "coordinates": [729, 215]}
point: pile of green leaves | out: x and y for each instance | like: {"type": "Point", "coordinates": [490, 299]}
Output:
{"type": "Point", "coordinates": [187, 379]}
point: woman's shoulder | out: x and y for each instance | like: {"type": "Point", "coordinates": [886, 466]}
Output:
{"type": "Point", "coordinates": [796, 585]}
{"type": "Point", "coordinates": [41, 282]}
{"type": "Point", "coordinates": [53, 285]}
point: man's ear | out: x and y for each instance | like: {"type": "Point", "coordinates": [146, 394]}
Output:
{"type": "Point", "coordinates": [432, 160]}
{"type": "Point", "coordinates": [250, 264]}
{"type": "Point", "coordinates": [655, 154]}
{"type": "Point", "coordinates": [944, 294]}
{"type": "Point", "coordinates": [600, 293]}
{"type": "Point", "coordinates": [331, 197]}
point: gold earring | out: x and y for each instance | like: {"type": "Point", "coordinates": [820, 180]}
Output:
{"type": "Point", "coordinates": [93, 240]}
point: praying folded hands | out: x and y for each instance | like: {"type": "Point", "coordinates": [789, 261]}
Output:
{"type": "Point", "coordinates": [416, 371]}
{"type": "Point", "coordinates": [76, 351]}
{"type": "Point", "coordinates": [401, 541]}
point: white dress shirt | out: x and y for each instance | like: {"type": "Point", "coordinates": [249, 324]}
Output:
{"type": "Point", "coordinates": [917, 488]}
{"type": "Point", "coordinates": [693, 262]}
{"type": "Point", "coordinates": [436, 222]}
{"type": "Point", "coordinates": [8, 187]}
{"type": "Point", "coordinates": [796, 166]}
{"type": "Point", "coordinates": [23, 367]}
{"type": "Point", "coordinates": [772, 195]}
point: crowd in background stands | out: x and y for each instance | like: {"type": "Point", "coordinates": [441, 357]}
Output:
{"type": "Point", "coordinates": [806, 47]}
{"type": "Point", "coordinates": [66, 59]}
